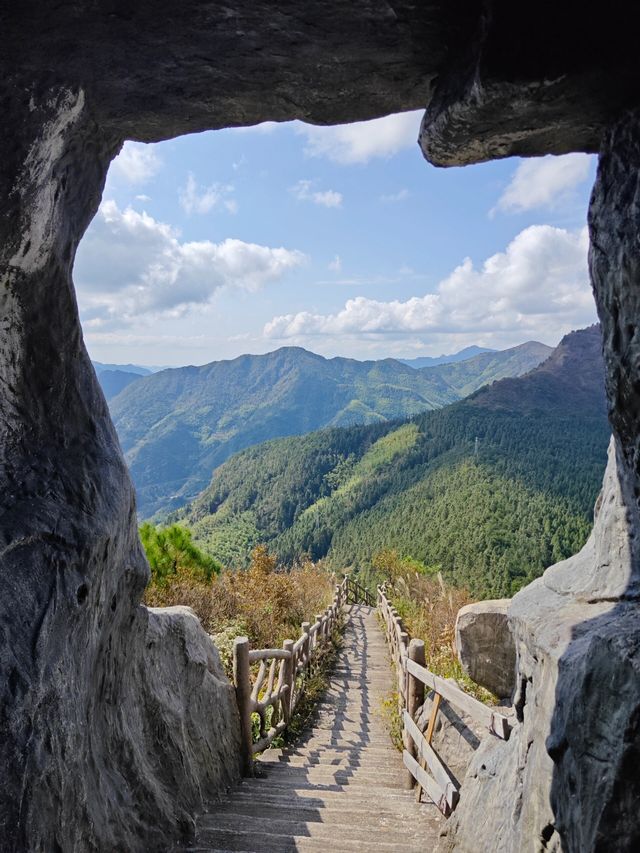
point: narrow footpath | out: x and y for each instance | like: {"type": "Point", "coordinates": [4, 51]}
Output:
{"type": "Point", "coordinates": [341, 788]}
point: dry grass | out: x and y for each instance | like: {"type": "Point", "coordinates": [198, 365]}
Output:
{"type": "Point", "coordinates": [428, 608]}
{"type": "Point", "coordinates": [261, 602]}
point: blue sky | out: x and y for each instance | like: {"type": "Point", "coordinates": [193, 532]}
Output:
{"type": "Point", "coordinates": [343, 240]}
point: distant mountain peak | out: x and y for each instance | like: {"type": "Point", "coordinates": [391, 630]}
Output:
{"type": "Point", "coordinates": [572, 376]}
{"type": "Point", "coordinates": [434, 361]}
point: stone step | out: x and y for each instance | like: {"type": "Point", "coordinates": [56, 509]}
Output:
{"type": "Point", "coordinates": [281, 768]}
{"type": "Point", "coordinates": [389, 828]}
{"type": "Point", "coordinates": [304, 810]}
{"type": "Point", "coordinates": [326, 784]}
{"type": "Point", "coordinates": [325, 751]}
{"type": "Point", "coordinates": [350, 762]}
{"type": "Point", "coordinates": [318, 798]}
{"type": "Point", "coordinates": [285, 770]}
{"type": "Point", "coordinates": [262, 842]}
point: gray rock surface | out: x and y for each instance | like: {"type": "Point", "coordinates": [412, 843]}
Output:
{"type": "Point", "coordinates": [531, 83]}
{"type": "Point", "coordinates": [106, 741]}
{"type": "Point", "coordinates": [485, 645]}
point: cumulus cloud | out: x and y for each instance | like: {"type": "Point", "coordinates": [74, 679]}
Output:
{"type": "Point", "coordinates": [537, 287]}
{"type": "Point", "coordinates": [336, 264]}
{"type": "Point", "coordinates": [195, 199]}
{"type": "Point", "coordinates": [137, 163]}
{"type": "Point", "coordinates": [304, 191]}
{"type": "Point", "coordinates": [543, 182]}
{"type": "Point", "coordinates": [362, 141]}
{"type": "Point", "coordinates": [131, 267]}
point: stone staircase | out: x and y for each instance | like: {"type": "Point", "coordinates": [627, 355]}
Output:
{"type": "Point", "coordinates": [341, 787]}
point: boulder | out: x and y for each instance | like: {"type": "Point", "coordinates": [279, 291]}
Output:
{"type": "Point", "coordinates": [485, 645]}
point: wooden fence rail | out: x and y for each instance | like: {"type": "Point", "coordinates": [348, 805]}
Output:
{"type": "Point", "coordinates": [413, 677]}
{"type": "Point", "coordinates": [275, 689]}
{"type": "Point", "coordinates": [359, 594]}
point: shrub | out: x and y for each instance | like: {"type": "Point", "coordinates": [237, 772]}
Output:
{"type": "Point", "coordinates": [172, 554]}
{"type": "Point", "coordinates": [261, 602]}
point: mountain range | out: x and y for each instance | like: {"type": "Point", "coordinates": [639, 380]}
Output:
{"type": "Point", "coordinates": [176, 426]}
{"type": "Point", "coordinates": [491, 490]}
{"type": "Point", "coordinates": [433, 361]}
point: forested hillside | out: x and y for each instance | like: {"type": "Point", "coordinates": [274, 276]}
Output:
{"type": "Point", "coordinates": [178, 425]}
{"type": "Point", "coordinates": [491, 490]}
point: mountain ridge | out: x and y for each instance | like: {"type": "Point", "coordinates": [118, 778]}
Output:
{"type": "Point", "coordinates": [519, 466]}
{"type": "Point", "coordinates": [433, 361]}
{"type": "Point", "coordinates": [176, 426]}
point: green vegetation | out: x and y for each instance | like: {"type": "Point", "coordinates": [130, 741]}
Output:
{"type": "Point", "coordinates": [177, 426]}
{"type": "Point", "coordinates": [492, 489]}
{"type": "Point", "coordinates": [171, 553]}
{"type": "Point", "coordinates": [262, 602]}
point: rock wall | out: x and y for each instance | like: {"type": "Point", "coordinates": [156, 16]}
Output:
{"type": "Point", "coordinates": [116, 723]}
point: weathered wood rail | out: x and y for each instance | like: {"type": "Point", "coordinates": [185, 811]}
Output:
{"type": "Point", "coordinates": [274, 691]}
{"type": "Point", "coordinates": [358, 594]}
{"type": "Point", "coordinates": [412, 678]}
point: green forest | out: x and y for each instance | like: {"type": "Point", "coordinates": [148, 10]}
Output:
{"type": "Point", "coordinates": [490, 490]}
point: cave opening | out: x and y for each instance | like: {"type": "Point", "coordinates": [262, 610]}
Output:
{"type": "Point", "coordinates": [103, 747]}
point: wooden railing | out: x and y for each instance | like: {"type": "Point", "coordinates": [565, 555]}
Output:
{"type": "Point", "coordinates": [357, 593]}
{"type": "Point", "coordinates": [413, 676]}
{"type": "Point", "coordinates": [275, 689]}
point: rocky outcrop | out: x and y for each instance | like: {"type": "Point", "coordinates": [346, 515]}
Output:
{"type": "Point", "coordinates": [485, 646]}
{"type": "Point", "coordinates": [116, 723]}
{"type": "Point", "coordinates": [527, 83]}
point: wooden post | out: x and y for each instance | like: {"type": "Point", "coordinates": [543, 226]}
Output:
{"type": "Point", "coordinates": [428, 735]}
{"type": "Point", "coordinates": [307, 646]}
{"type": "Point", "coordinates": [242, 681]}
{"type": "Point", "coordinates": [320, 631]}
{"type": "Point", "coordinates": [289, 678]}
{"type": "Point", "coordinates": [415, 698]}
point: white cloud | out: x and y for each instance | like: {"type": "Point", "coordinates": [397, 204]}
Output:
{"type": "Point", "coordinates": [304, 191]}
{"type": "Point", "coordinates": [543, 182]}
{"type": "Point", "coordinates": [393, 198]}
{"type": "Point", "coordinates": [336, 264]}
{"type": "Point", "coordinates": [363, 140]}
{"type": "Point", "coordinates": [131, 268]}
{"type": "Point", "coordinates": [194, 199]}
{"type": "Point", "coordinates": [143, 197]}
{"type": "Point", "coordinates": [137, 163]}
{"type": "Point", "coordinates": [537, 287]}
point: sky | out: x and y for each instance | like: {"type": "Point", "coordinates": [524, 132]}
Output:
{"type": "Point", "coordinates": [343, 240]}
